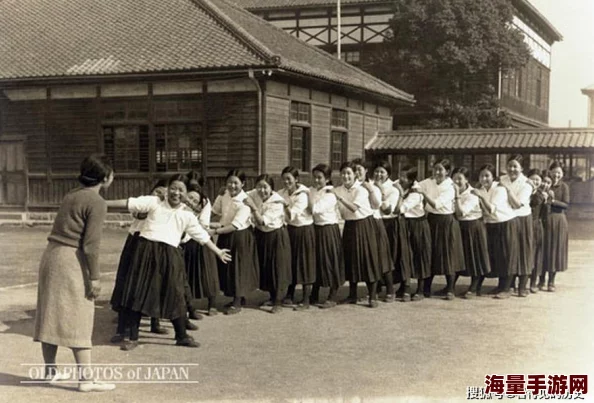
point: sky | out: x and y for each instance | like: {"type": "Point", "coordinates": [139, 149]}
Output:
{"type": "Point", "coordinates": [572, 60]}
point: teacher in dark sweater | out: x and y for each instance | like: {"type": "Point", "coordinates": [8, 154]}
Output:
{"type": "Point", "coordinates": [69, 275]}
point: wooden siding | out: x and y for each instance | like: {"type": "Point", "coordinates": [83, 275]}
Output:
{"type": "Point", "coordinates": [355, 140]}
{"type": "Point", "coordinates": [320, 136]}
{"type": "Point", "coordinates": [277, 133]}
{"type": "Point", "coordinates": [370, 128]}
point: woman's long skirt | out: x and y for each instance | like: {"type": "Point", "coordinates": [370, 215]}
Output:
{"type": "Point", "coordinates": [502, 243]}
{"type": "Point", "coordinates": [64, 315]}
{"type": "Point", "coordinates": [329, 256]}
{"type": "Point", "coordinates": [384, 250]}
{"type": "Point", "coordinates": [525, 245]}
{"type": "Point", "coordinates": [556, 243]}
{"type": "Point", "coordinates": [447, 256]}
{"type": "Point", "coordinates": [123, 267]}
{"type": "Point", "coordinates": [538, 233]}
{"type": "Point", "coordinates": [274, 255]}
{"type": "Point", "coordinates": [242, 275]}
{"type": "Point", "coordinates": [400, 248]}
{"type": "Point", "coordinates": [155, 282]}
{"type": "Point", "coordinates": [303, 254]}
{"type": "Point", "coordinates": [201, 270]}
{"type": "Point", "coordinates": [476, 251]}
{"type": "Point", "coordinates": [359, 245]}
{"type": "Point", "coordinates": [420, 245]}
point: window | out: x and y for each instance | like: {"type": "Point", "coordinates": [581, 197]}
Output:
{"type": "Point", "coordinates": [178, 147]}
{"type": "Point", "coordinates": [300, 135]}
{"type": "Point", "coordinates": [300, 145]}
{"type": "Point", "coordinates": [340, 118]}
{"type": "Point", "coordinates": [127, 147]}
{"type": "Point", "coordinates": [518, 90]}
{"type": "Point", "coordinates": [300, 112]}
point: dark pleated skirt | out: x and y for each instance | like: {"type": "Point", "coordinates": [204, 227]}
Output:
{"type": "Point", "coordinates": [123, 267]}
{"type": "Point", "coordinates": [201, 269]}
{"type": "Point", "coordinates": [556, 243]}
{"type": "Point", "coordinates": [420, 246]}
{"type": "Point", "coordinates": [303, 254]}
{"type": "Point", "coordinates": [400, 248]}
{"type": "Point", "coordinates": [384, 250]}
{"type": "Point", "coordinates": [359, 245]}
{"type": "Point", "coordinates": [476, 251]}
{"type": "Point", "coordinates": [274, 255]}
{"type": "Point", "coordinates": [538, 234]}
{"type": "Point", "coordinates": [525, 245]}
{"type": "Point", "coordinates": [502, 243]}
{"type": "Point", "coordinates": [155, 281]}
{"type": "Point", "coordinates": [242, 275]}
{"type": "Point", "coordinates": [447, 256]}
{"type": "Point", "coordinates": [329, 257]}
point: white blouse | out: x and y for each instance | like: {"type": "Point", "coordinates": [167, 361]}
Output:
{"type": "Point", "coordinates": [522, 189]}
{"type": "Point", "coordinates": [136, 226]}
{"type": "Point", "coordinates": [272, 211]}
{"type": "Point", "coordinates": [389, 197]}
{"type": "Point", "coordinates": [357, 195]}
{"type": "Point", "coordinates": [412, 205]}
{"type": "Point", "coordinates": [298, 214]}
{"type": "Point", "coordinates": [470, 206]}
{"type": "Point", "coordinates": [324, 206]}
{"type": "Point", "coordinates": [443, 194]}
{"type": "Point", "coordinates": [232, 210]}
{"type": "Point", "coordinates": [203, 217]}
{"type": "Point", "coordinates": [165, 223]}
{"type": "Point", "coordinates": [501, 210]}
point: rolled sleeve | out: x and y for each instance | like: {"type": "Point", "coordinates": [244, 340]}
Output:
{"type": "Point", "coordinates": [195, 231]}
{"type": "Point", "coordinates": [298, 206]}
{"type": "Point", "coordinates": [142, 204]}
{"type": "Point", "coordinates": [242, 216]}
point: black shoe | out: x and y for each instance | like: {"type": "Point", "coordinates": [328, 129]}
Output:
{"type": "Point", "coordinates": [190, 325]}
{"type": "Point", "coordinates": [349, 300]}
{"type": "Point", "coordinates": [450, 296]}
{"type": "Point", "coordinates": [187, 341]}
{"type": "Point", "coordinates": [129, 345]}
{"type": "Point", "coordinates": [327, 305]}
{"type": "Point", "coordinates": [232, 310]}
{"type": "Point", "coordinates": [118, 338]}
{"type": "Point", "coordinates": [193, 314]}
{"type": "Point", "coordinates": [406, 297]}
{"type": "Point", "coordinates": [373, 303]}
{"type": "Point", "coordinates": [287, 302]}
{"type": "Point", "coordinates": [442, 293]}
{"type": "Point", "coordinates": [417, 297]}
{"type": "Point", "coordinates": [301, 307]}
{"type": "Point", "coordinates": [503, 295]}
{"type": "Point", "coordinates": [276, 309]}
{"type": "Point", "coordinates": [159, 330]}
{"type": "Point", "coordinates": [212, 311]}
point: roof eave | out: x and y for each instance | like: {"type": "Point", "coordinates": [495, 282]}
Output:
{"type": "Point", "coordinates": [543, 22]}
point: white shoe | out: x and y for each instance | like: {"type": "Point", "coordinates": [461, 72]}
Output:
{"type": "Point", "coordinates": [58, 376]}
{"type": "Point", "coordinates": [95, 386]}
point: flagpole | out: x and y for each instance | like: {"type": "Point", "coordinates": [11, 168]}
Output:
{"type": "Point", "coordinates": [339, 29]}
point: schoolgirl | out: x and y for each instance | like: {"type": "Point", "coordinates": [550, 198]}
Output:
{"type": "Point", "coordinates": [473, 231]}
{"type": "Point", "coordinates": [156, 279]}
{"type": "Point", "coordinates": [302, 235]}
{"type": "Point", "coordinates": [139, 219]}
{"type": "Point", "coordinates": [538, 205]}
{"type": "Point", "coordinates": [446, 241]}
{"type": "Point", "coordinates": [272, 239]}
{"type": "Point", "coordinates": [502, 230]}
{"type": "Point", "coordinates": [557, 229]}
{"type": "Point", "coordinates": [240, 276]}
{"type": "Point", "coordinates": [519, 190]}
{"type": "Point", "coordinates": [384, 251]}
{"type": "Point", "coordinates": [201, 262]}
{"type": "Point", "coordinates": [359, 239]}
{"type": "Point", "coordinates": [412, 207]}
{"type": "Point", "coordinates": [395, 225]}
{"type": "Point", "coordinates": [329, 258]}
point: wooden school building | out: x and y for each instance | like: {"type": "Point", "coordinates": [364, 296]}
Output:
{"type": "Point", "coordinates": [168, 86]}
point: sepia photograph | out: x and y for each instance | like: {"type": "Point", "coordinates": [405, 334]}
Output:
{"type": "Point", "coordinates": [296, 201]}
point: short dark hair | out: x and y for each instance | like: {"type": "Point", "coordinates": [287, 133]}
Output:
{"type": "Point", "coordinates": [178, 178]}
{"type": "Point", "coordinates": [325, 169]}
{"type": "Point", "coordinates": [383, 164]}
{"type": "Point", "coordinates": [463, 171]}
{"type": "Point", "coordinates": [490, 168]}
{"type": "Point", "coordinates": [515, 157]}
{"type": "Point", "coordinates": [410, 172]}
{"type": "Point", "coordinates": [266, 178]}
{"type": "Point", "coordinates": [291, 170]}
{"type": "Point", "coordinates": [237, 173]}
{"type": "Point", "coordinates": [195, 180]}
{"type": "Point", "coordinates": [94, 169]}
{"type": "Point", "coordinates": [161, 183]}
{"type": "Point", "coordinates": [347, 164]}
{"type": "Point", "coordinates": [534, 172]}
{"type": "Point", "coordinates": [555, 165]}
{"type": "Point", "coordinates": [444, 163]}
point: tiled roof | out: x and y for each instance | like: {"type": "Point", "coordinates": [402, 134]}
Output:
{"type": "Point", "coordinates": [273, 4]}
{"type": "Point", "coordinates": [482, 139]}
{"type": "Point", "coordinates": [80, 38]}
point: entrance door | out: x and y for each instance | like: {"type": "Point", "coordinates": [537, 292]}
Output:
{"type": "Point", "coordinates": [13, 174]}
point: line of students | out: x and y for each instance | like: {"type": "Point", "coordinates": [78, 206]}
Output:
{"type": "Point", "coordinates": [394, 231]}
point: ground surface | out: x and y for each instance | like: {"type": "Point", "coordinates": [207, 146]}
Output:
{"type": "Point", "coordinates": [425, 351]}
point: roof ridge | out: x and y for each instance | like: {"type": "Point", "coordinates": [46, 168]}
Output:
{"type": "Point", "coordinates": [483, 130]}
{"type": "Point", "coordinates": [254, 44]}
{"type": "Point", "coordinates": [325, 54]}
